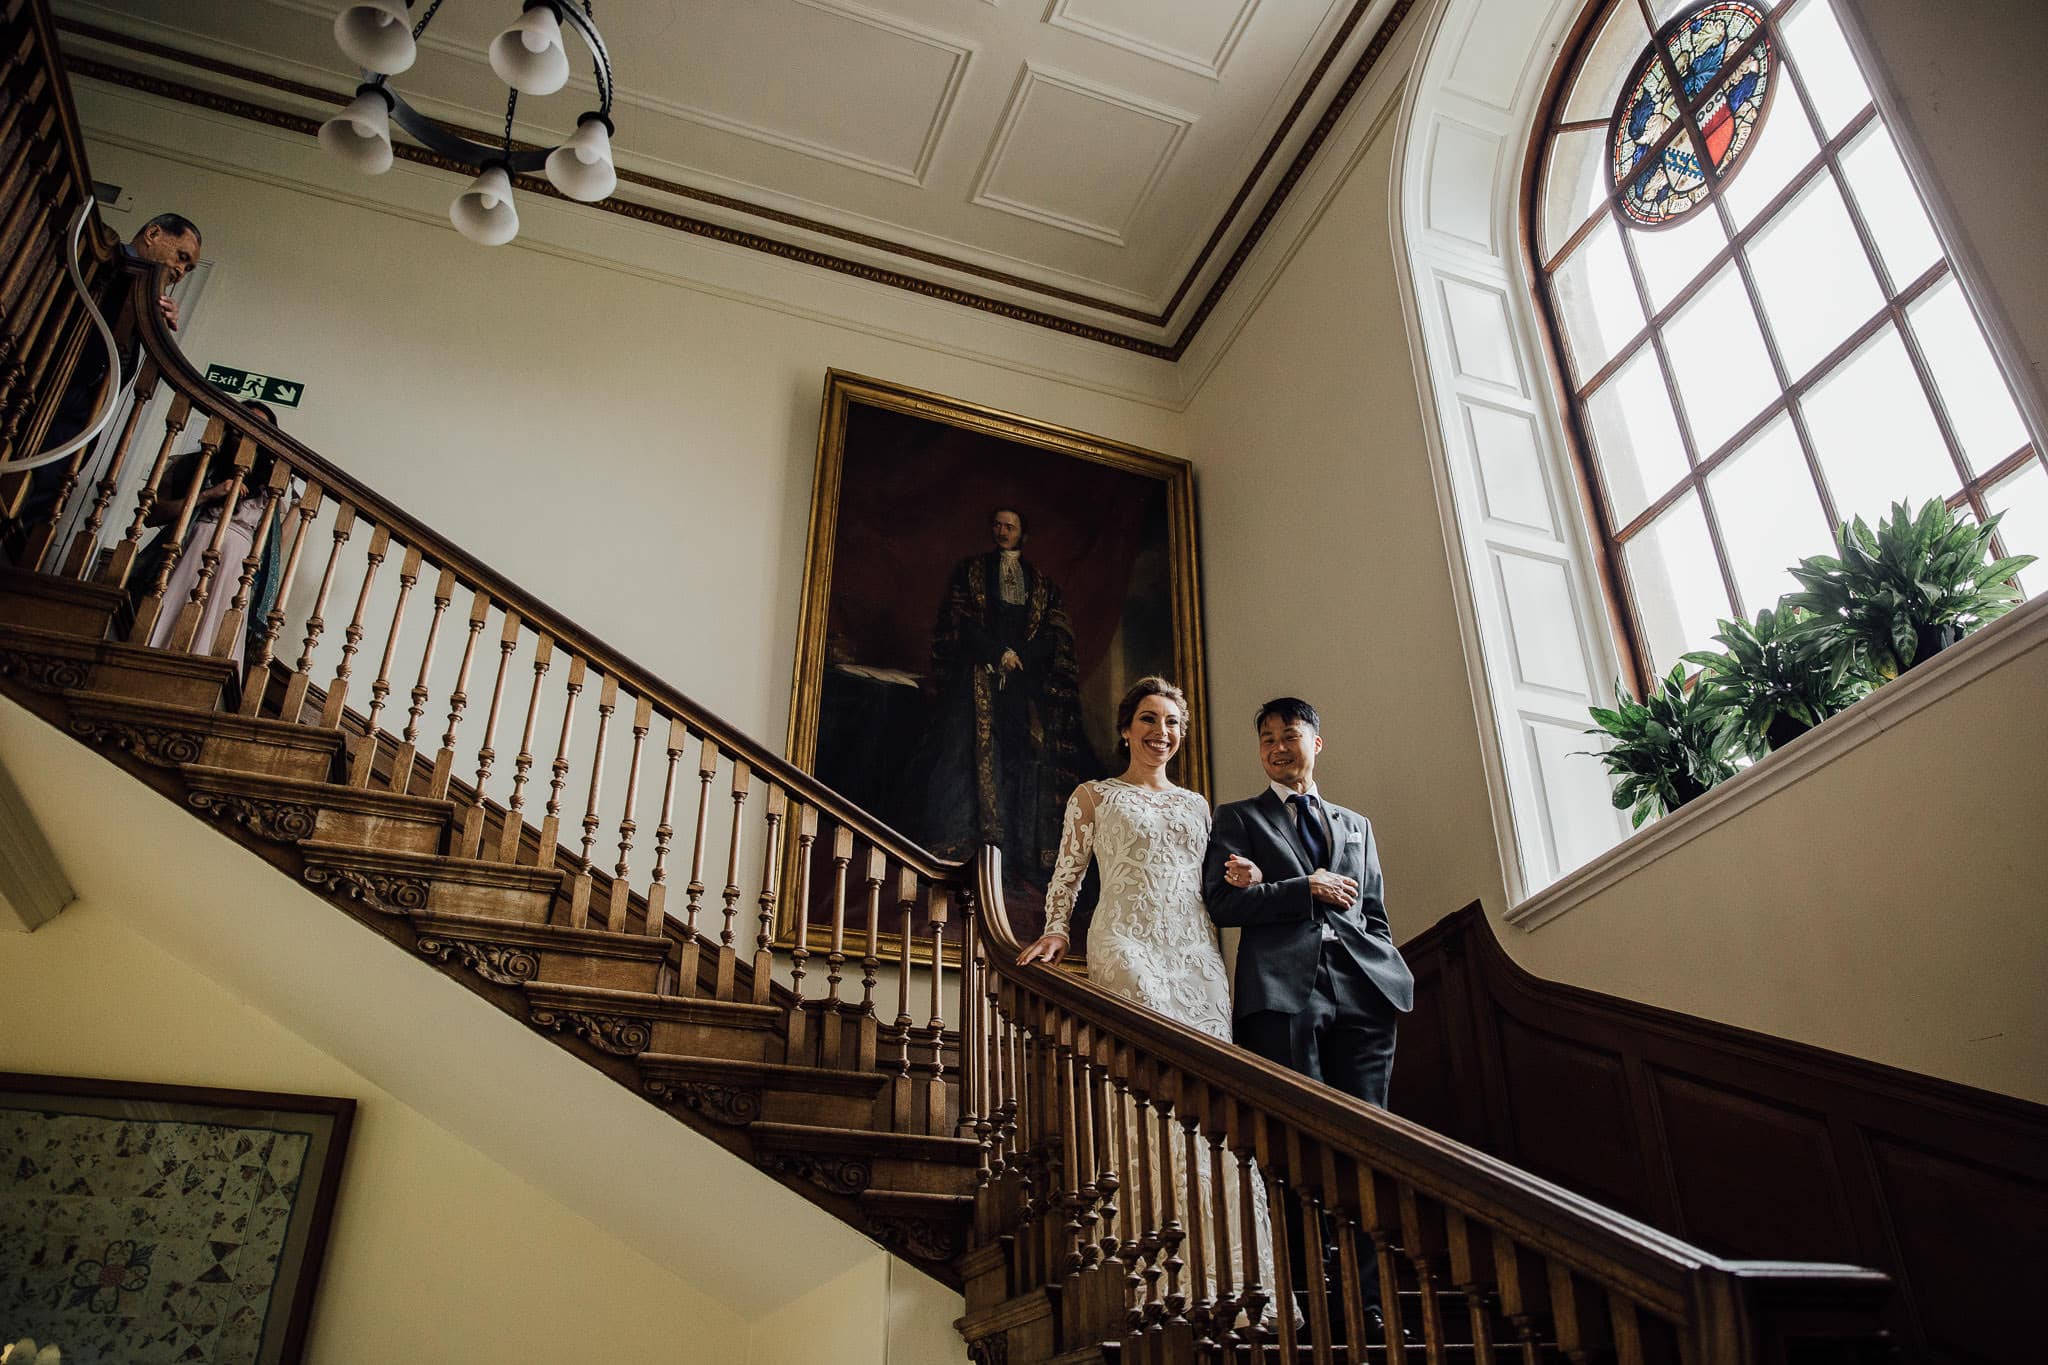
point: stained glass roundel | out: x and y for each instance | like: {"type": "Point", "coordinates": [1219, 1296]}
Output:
{"type": "Point", "coordinates": [1723, 77]}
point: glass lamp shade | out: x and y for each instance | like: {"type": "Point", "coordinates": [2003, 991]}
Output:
{"type": "Point", "coordinates": [483, 212]}
{"type": "Point", "coordinates": [360, 135]}
{"type": "Point", "coordinates": [529, 56]}
{"type": "Point", "coordinates": [377, 36]}
{"type": "Point", "coordinates": [582, 167]}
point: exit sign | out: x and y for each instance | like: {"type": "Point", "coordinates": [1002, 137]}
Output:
{"type": "Point", "coordinates": [265, 388]}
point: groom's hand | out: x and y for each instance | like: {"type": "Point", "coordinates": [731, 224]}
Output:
{"type": "Point", "coordinates": [1331, 889]}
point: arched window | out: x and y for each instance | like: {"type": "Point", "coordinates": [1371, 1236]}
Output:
{"type": "Point", "coordinates": [1759, 331]}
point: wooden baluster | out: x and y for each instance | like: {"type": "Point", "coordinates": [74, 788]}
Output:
{"type": "Point", "coordinates": [777, 803]}
{"type": "Point", "coordinates": [728, 951]}
{"type": "Point", "coordinates": [1144, 1286]}
{"type": "Point", "coordinates": [798, 1047]}
{"type": "Point", "coordinates": [184, 636]}
{"type": "Point", "coordinates": [558, 771]}
{"type": "Point", "coordinates": [78, 557]}
{"type": "Point", "coordinates": [1471, 1266]}
{"type": "Point", "coordinates": [1172, 1232]}
{"type": "Point", "coordinates": [173, 536]}
{"type": "Point", "coordinates": [232, 624]}
{"type": "Point", "coordinates": [1224, 1305]}
{"type": "Point", "coordinates": [1625, 1322]}
{"type": "Point", "coordinates": [865, 1037]}
{"type": "Point", "coordinates": [352, 634]}
{"type": "Point", "coordinates": [1087, 1140]}
{"type": "Point", "coordinates": [1311, 1278]}
{"type": "Point", "coordinates": [1379, 1205]}
{"type": "Point", "coordinates": [522, 768]}
{"type": "Point", "coordinates": [1255, 1297]}
{"type": "Point", "coordinates": [407, 753]}
{"type": "Point", "coordinates": [1067, 1188]}
{"type": "Point", "coordinates": [1269, 1144]}
{"type": "Point", "coordinates": [831, 1039]}
{"type": "Point", "coordinates": [366, 752]}
{"type": "Point", "coordinates": [458, 699]}
{"type": "Point", "coordinates": [973, 1043]}
{"type": "Point", "coordinates": [1116, 1139]}
{"type": "Point", "coordinates": [471, 843]}
{"type": "Point", "coordinates": [1422, 1237]}
{"type": "Point", "coordinates": [115, 574]}
{"type": "Point", "coordinates": [657, 885]}
{"type": "Point", "coordinates": [579, 891]}
{"type": "Point", "coordinates": [256, 681]}
{"type": "Point", "coordinates": [1579, 1316]}
{"type": "Point", "coordinates": [707, 769]}
{"type": "Point", "coordinates": [622, 874]}
{"type": "Point", "coordinates": [1202, 1298]}
{"type": "Point", "coordinates": [302, 675]}
{"type": "Point", "coordinates": [1521, 1277]}
{"type": "Point", "coordinates": [901, 1087]}
{"type": "Point", "coordinates": [1350, 1265]}
{"type": "Point", "coordinates": [939, 908]}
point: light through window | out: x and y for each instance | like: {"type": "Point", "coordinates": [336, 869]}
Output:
{"type": "Point", "coordinates": [1760, 330]}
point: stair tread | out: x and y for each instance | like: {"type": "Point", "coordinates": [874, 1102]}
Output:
{"type": "Point", "coordinates": [815, 1078]}
{"type": "Point", "coordinates": [80, 646]}
{"type": "Point", "coordinates": [680, 1006]}
{"type": "Point", "coordinates": [325, 793]}
{"type": "Point", "coordinates": [224, 722]}
{"type": "Point", "coordinates": [431, 864]}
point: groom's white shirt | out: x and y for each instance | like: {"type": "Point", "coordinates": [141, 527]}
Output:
{"type": "Point", "coordinates": [1286, 794]}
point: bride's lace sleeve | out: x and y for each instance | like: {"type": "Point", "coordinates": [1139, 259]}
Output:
{"type": "Point", "coordinates": [1077, 842]}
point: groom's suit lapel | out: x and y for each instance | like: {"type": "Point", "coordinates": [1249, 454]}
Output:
{"type": "Point", "coordinates": [1285, 834]}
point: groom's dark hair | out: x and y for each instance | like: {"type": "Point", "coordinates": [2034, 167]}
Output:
{"type": "Point", "coordinates": [1288, 710]}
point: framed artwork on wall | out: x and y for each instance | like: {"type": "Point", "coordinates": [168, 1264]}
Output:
{"type": "Point", "coordinates": [980, 589]}
{"type": "Point", "coordinates": [145, 1223]}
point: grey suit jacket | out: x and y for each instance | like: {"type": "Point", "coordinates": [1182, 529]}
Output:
{"type": "Point", "coordinates": [1282, 923]}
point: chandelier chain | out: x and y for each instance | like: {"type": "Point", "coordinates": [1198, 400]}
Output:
{"type": "Point", "coordinates": [425, 19]}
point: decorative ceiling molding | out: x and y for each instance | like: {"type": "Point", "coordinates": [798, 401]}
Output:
{"type": "Point", "coordinates": [1143, 337]}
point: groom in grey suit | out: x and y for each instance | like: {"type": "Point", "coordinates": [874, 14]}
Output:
{"type": "Point", "coordinates": [1320, 984]}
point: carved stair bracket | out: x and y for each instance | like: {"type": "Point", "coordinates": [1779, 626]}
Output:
{"type": "Point", "coordinates": [993, 1349]}
{"type": "Point", "coordinates": [839, 1174]}
{"type": "Point", "coordinates": [286, 822]}
{"type": "Point", "coordinates": [619, 1034]}
{"type": "Point", "coordinates": [505, 963]}
{"type": "Point", "coordinates": [45, 672]}
{"type": "Point", "coordinates": [163, 745]}
{"type": "Point", "coordinates": [393, 894]}
{"type": "Point", "coordinates": [917, 1239]}
{"type": "Point", "coordinates": [733, 1105]}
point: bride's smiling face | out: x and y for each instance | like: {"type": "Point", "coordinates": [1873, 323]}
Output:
{"type": "Point", "coordinates": [1154, 733]}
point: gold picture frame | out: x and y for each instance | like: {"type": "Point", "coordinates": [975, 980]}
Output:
{"type": "Point", "coordinates": [906, 486]}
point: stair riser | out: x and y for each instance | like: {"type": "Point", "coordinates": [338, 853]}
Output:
{"type": "Point", "coordinates": [312, 762]}
{"type": "Point", "coordinates": [712, 1040]}
{"type": "Point", "coordinates": [378, 830]}
{"type": "Point", "coordinates": [514, 905]}
{"type": "Point", "coordinates": [800, 1106]}
{"type": "Point", "coordinates": [584, 969]}
{"type": "Point", "coordinates": [88, 620]}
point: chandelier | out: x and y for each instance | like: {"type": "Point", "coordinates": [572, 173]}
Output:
{"type": "Point", "coordinates": [530, 57]}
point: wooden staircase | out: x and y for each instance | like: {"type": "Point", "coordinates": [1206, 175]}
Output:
{"type": "Point", "coordinates": [849, 1132]}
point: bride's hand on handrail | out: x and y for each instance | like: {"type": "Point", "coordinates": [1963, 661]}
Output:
{"type": "Point", "coordinates": [1049, 950]}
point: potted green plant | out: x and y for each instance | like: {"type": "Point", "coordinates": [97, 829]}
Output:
{"type": "Point", "coordinates": [1773, 680]}
{"type": "Point", "coordinates": [1667, 749]}
{"type": "Point", "coordinates": [1894, 598]}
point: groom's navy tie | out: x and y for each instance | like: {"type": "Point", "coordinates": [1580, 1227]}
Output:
{"type": "Point", "coordinates": [1311, 830]}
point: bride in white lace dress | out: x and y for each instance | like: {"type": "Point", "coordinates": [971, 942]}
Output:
{"type": "Point", "coordinates": [1151, 939]}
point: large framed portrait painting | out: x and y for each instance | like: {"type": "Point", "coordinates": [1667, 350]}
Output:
{"type": "Point", "coordinates": [980, 590]}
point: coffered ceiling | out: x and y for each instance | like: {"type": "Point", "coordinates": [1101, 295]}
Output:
{"type": "Point", "coordinates": [1091, 165]}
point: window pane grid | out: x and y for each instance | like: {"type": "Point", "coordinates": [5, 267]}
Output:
{"type": "Point", "coordinates": [1689, 496]}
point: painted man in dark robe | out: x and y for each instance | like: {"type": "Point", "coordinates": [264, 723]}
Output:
{"type": "Point", "coordinates": [1005, 747]}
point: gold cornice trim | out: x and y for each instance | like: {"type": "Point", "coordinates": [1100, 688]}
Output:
{"type": "Point", "coordinates": [235, 106]}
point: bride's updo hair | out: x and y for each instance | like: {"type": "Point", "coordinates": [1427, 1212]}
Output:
{"type": "Point", "coordinates": [1127, 709]}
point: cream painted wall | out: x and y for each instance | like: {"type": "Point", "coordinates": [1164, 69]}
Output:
{"type": "Point", "coordinates": [1324, 562]}
{"type": "Point", "coordinates": [438, 1252]}
{"type": "Point", "coordinates": [636, 448]}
